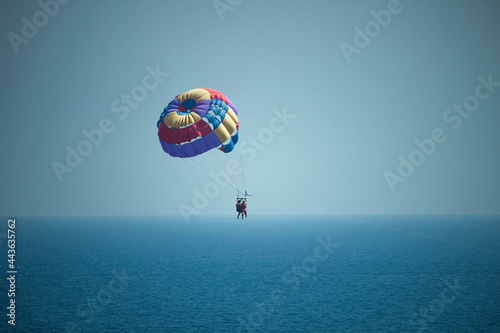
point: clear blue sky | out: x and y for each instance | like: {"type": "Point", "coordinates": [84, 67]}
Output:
{"type": "Point", "coordinates": [359, 101]}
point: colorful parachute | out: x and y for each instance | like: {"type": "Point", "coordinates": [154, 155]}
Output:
{"type": "Point", "coordinates": [197, 121]}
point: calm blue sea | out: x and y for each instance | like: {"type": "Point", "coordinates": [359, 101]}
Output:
{"type": "Point", "coordinates": [267, 274]}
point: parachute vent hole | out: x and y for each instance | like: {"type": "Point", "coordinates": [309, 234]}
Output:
{"type": "Point", "coordinates": [189, 104]}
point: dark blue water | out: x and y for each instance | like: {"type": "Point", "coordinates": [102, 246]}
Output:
{"type": "Point", "coordinates": [267, 274]}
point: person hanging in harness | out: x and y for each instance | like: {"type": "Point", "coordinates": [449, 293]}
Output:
{"type": "Point", "coordinates": [241, 208]}
{"type": "Point", "coordinates": [238, 208]}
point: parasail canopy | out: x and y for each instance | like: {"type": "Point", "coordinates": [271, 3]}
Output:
{"type": "Point", "coordinates": [197, 121]}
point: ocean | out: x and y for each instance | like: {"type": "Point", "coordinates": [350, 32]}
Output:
{"type": "Point", "coordinates": [264, 274]}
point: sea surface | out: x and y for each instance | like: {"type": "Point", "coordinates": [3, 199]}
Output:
{"type": "Point", "coordinates": [264, 274]}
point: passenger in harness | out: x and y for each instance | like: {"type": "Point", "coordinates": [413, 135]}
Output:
{"type": "Point", "coordinates": [241, 208]}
